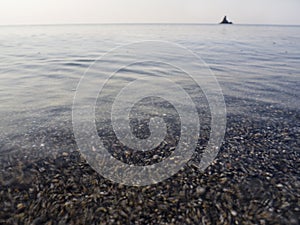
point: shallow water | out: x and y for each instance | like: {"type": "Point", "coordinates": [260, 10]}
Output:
{"type": "Point", "coordinates": [258, 71]}
{"type": "Point", "coordinates": [40, 66]}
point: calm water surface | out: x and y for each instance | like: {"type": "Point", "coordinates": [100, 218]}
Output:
{"type": "Point", "coordinates": [40, 66]}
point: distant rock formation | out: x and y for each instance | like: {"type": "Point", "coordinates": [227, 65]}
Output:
{"type": "Point", "coordinates": [225, 21]}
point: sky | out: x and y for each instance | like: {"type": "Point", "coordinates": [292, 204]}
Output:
{"type": "Point", "coordinates": [13, 12]}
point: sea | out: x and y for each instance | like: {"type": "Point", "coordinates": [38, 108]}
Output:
{"type": "Point", "coordinates": [41, 66]}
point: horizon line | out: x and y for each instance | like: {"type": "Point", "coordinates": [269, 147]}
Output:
{"type": "Point", "coordinates": [145, 23]}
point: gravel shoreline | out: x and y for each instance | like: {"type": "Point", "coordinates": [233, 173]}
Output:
{"type": "Point", "coordinates": [254, 180]}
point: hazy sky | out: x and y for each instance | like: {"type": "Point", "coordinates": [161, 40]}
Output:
{"type": "Point", "coordinates": [148, 11]}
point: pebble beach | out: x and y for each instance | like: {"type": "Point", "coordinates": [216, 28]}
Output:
{"type": "Point", "coordinates": [254, 180]}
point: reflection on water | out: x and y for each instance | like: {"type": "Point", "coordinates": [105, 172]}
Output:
{"type": "Point", "coordinates": [40, 66]}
